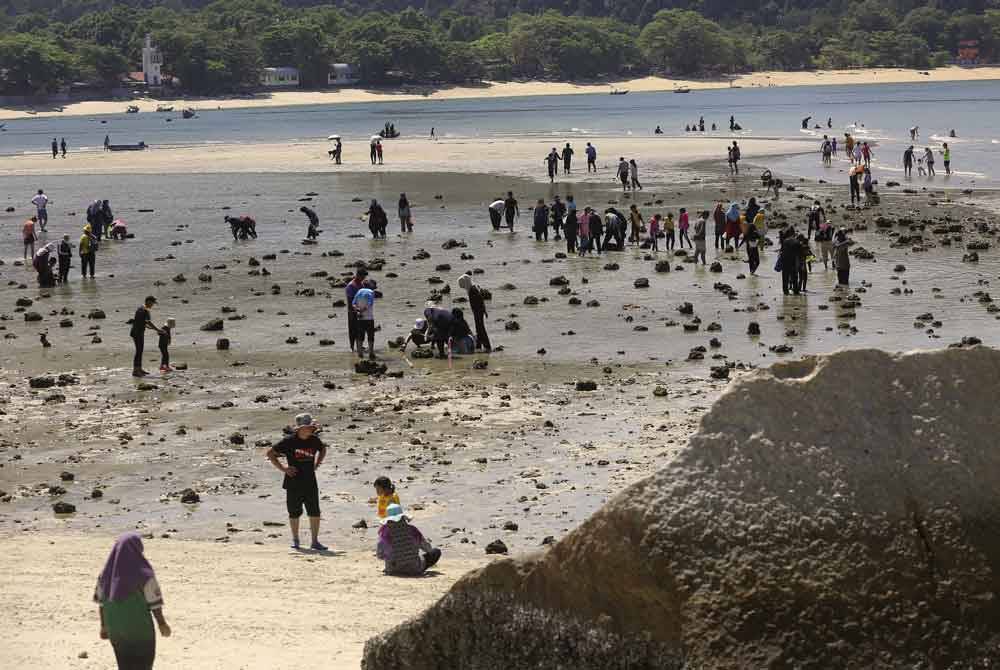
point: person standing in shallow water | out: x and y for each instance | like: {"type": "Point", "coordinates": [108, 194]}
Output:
{"type": "Point", "coordinates": [567, 158]}
{"type": "Point", "coordinates": [511, 210]}
{"type": "Point", "coordinates": [841, 257]}
{"type": "Point", "coordinates": [127, 592]}
{"type": "Point", "coordinates": [303, 453]}
{"type": "Point", "coordinates": [351, 290]}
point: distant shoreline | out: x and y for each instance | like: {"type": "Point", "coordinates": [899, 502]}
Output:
{"type": "Point", "coordinates": [520, 89]}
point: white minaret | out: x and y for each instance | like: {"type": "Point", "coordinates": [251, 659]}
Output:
{"type": "Point", "coordinates": [152, 59]}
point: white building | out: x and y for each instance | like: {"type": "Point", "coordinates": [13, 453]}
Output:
{"type": "Point", "coordinates": [279, 76]}
{"type": "Point", "coordinates": [341, 74]}
{"type": "Point", "coordinates": [152, 61]}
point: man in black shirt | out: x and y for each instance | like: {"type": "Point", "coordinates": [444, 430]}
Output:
{"type": "Point", "coordinates": [303, 453]}
{"type": "Point", "coordinates": [140, 323]}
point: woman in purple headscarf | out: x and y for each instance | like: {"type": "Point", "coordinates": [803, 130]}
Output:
{"type": "Point", "coordinates": [127, 592]}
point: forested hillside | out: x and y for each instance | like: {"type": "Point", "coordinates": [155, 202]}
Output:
{"type": "Point", "coordinates": [221, 46]}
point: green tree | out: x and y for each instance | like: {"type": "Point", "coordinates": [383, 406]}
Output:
{"type": "Point", "coordinates": [926, 22]}
{"type": "Point", "coordinates": [100, 64]}
{"type": "Point", "coordinates": [32, 65]}
{"type": "Point", "coordinates": [685, 42]}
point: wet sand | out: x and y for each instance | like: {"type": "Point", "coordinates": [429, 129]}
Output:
{"type": "Point", "coordinates": [470, 449]}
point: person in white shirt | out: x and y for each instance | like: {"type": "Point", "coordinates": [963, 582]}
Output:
{"type": "Point", "coordinates": [496, 212]}
{"type": "Point", "coordinates": [41, 202]}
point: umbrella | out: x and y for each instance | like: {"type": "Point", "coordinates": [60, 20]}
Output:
{"type": "Point", "coordinates": [376, 138]}
{"type": "Point", "coordinates": [333, 137]}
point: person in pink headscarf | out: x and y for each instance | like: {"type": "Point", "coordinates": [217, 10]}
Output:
{"type": "Point", "coordinates": [127, 592]}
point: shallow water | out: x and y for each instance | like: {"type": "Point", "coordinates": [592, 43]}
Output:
{"type": "Point", "coordinates": [878, 113]}
{"type": "Point", "coordinates": [605, 332]}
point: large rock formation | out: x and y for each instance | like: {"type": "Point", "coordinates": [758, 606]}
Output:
{"type": "Point", "coordinates": [836, 512]}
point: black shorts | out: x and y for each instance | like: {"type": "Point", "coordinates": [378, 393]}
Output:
{"type": "Point", "coordinates": [366, 327]}
{"type": "Point", "coordinates": [302, 496]}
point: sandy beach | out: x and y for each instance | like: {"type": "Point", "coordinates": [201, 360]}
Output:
{"type": "Point", "coordinates": [224, 603]}
{"type": "Point", "coordinates": [522, 157]}
{"type": "Point", "coordinates": [507, 446]}
{"type": "Point", "coordinates": [520, 89]}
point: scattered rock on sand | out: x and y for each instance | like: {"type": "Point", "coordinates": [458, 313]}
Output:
{"type": "Point", "coordinates": [662, 266]}
{"type": "Point", "coordinates": [190, 497]}
{"type": "Point", "coordinates": [685, 308]}
{"type": "Point", "coordinates": [370, 368]}
{"type": "Point", "coordinates": [496, 547]}
{"type": "Point", "coordinates": [214, 325]}
{"type": "Point", "coordinates": [63, 508]}
{"type": "Point", "coordinates": [222, 344]}
{"type": "Point", "coordinates": [32, 316]}
{"type": "Point", "coordinates": [891, 542]}
{"type": "Point", "coordinates": [586, 385]}
{"type": "Point", "coordinates": [96, 314]}
{"type": "Point", "coordinates": [41, 382]}
{"type": "Point", "coordinates": [716, 266]}
{"type": "Point", "coordinates": [753, 328]}
{"type": "Point", "coordinates": [641, 282]}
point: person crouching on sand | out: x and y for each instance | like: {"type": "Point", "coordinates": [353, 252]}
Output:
{"type": "Point", "coordinates": [400, 545]}
{"type": "Point", "coordinates": [303, 453]}
{"type": "Point", "coordinates": [127, 592]}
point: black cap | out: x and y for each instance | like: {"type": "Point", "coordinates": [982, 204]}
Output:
{"type": "Point", "coordinates": [150, 299]}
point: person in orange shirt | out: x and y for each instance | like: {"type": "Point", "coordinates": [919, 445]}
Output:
{"type": "Point", "coordinates": [386, 492]}
{"type": "Point", "coordinates": [28, 235]}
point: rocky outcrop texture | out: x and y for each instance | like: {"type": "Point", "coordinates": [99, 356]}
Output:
{"type": "Point", "coordinates": [835, 512]}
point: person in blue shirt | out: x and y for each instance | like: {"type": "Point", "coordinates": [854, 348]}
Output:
{"type": "Point", "coordinates": [364, 308]}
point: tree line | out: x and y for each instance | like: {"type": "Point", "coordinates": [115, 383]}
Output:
{"type": "Point", "coordinates": [222, 46]}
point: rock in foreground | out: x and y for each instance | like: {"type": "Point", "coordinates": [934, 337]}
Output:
{"type": "Point", "coordinates": [861, 534]}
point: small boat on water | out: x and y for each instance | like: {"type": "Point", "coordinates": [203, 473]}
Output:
{"type": "Point", "coordinates": [619, 91]}
{"type": "Point", "coordinates": [682, 89]}
{"type": "Point", "coordinates": [164, 108]}
{"type": "Point", "coordinates": [187, 113]}
{"type": "Point", "coordinates": [127, 147]}
{"type": "Point", "coordinates": [132, 109]}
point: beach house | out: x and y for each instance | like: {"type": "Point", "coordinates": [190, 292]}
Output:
{"type": "Point", "coordinates": [280, 77]}
{"type": "Point", "coordinates": [341, 74]}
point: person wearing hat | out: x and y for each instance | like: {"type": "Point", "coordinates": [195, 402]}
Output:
{"type": "Point", "coordinates": [351, 290]}
{"type": "Point", "coordinates": [88, 251]}
{"type": "Point", "coordinates": [418, 335]}
{"type": "Point", "coordinates": [140, 322]}
{"type": "Point", "coordinates": [400, 545]}
{"type": "Point", "coordinates": [303, 453]}
{"type": "Point", "coordinates": [364, 306]}
{"type": "Point", "coordinates": [166, 335]}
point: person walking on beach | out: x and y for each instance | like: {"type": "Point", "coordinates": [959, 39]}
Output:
{"type": "Point", "coordinates": [28, 236]}
{"type": "Point", "coordinates": [595, 226]}
{"type": "Point", "coordinates": [719, 218]}
{"type": "Point", "coordinates": [312, 232]}
{"type": "Point", "coordinates": [477, 303]}
{"type": "Point", "coordinates": [841, 257]}
{"type": "Point", "coordinates": [107, 142]}
{"type": "Point", "coordinates": [669, 233]}
{"type": "Point", "coordinates": [914, 133]}
{"type": "Point", "coordinates": [378, 152]}
{"type": "Point", "coordinates": [88, 251]}
{"type": "Point", "coordinates": [752, 239]}
{"type": "Point", "coordinates": [866, 153]}
{"type": "Point", "coordinates": [733, 225]}
{"type": "Point", "coordinates": [945, 153]}
{"type": "Point", "coordinates": [700, 227]}
{"type": "Point", "coordinates": [163, 344]}
{"type": "Point", "coordinates": [583, 226]}
{"type": "Point", "coordinates": [591, 158]}
{"type": "Point", "coordinates": [127, 593]}
{"type": "Point", "coordinates": [571, 227]}
{"type": "Point", "coordinates": [65, 253]}
{"type": "Point", "coordinates": [350, 291]}
{"type": "Point", "coordinates": [567, 157]}
{"type": "Point", "coordinates": [855, 185]}
{"type": "Point", "coordinates": [623, 172]}
{"type": "Point", "coordinates": [558, 212]}
{"type": "Point", "coordinates": [633, 174]}
{"type": "Point", "coordinates": [142, 321]}
{"type": "Point", "coordinates": [849, 146]}
{"type": "Point", "coordinates": [511, 210]}
{"type": "Point", "coordinates": [41, 203]}
{"type": "Point", "coordinates": [683, 223]}
{"type": "Point", "coordinates": [736, 157]}
{"type": "Point", "coordinates": [55, 148]}
{"type": "Point", "coordinates": [929, 161]}
{"type": "Point", "coordinates": [303, 452]}
{"type": "Point", "coordinates": [378, 220]}
{"type": "Point", "coordinates": [495, 210]}
{"type": "Point", "coordinates": [62, 145]}
{"type": "Point", "coordinates": [552, 162]}
{"type": "Point", "coordinates": [827, 151]}
{"type": "Point", "coordinates": [788, 257]}
{"type": "Point", "coordinates": [540, 222]}
{"type": "Point", "coordinates": [635, 224]}
{"type": "Point", "coordinates": [405, 215]}
{"type": "Point", "coordinates": [364, 305]}
{"type": "Point", "coordinates": [374, 152]}
{"type": "Point", "coordinates": [654, 232]}
{"type": "Point", "coordinates": [908, 162]}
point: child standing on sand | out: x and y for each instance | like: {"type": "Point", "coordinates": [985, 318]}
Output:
{"type": "Point", "coordinates": [166, 334]}
{"type": "Point", "coordinates": [386, 492]}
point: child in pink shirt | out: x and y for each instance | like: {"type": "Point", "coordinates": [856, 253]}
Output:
{"type": "Point", "coordinates": [654, 230]}
{"type": "Point", "coordinates": [683, 223]}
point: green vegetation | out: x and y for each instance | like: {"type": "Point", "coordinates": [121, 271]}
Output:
{"type": "Point", "coordinates": [221, 46]}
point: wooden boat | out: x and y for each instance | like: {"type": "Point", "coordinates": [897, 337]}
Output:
{"type": "Point", "coordinates": [616, 91]}
{"type": "Point", "coordinates": [682, 89]}
{"type": "Point", "coordinates": [187, 113]}
{"type": "Point", "coordinates": [132, 109]}
{"type": "Point", "coordinates": [127, 147]}
{"type": "Point", "coordinates": [387, 136]}
{"type": "Point", "coordinates": [164, 108]}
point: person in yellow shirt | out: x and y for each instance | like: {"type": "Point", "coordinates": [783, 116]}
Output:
{"type": "Point", "coordinates": [386, 492]}
{"type": "Point", "coordinates": [88, 251]}
{"type": "Point", "coordinates": [758, 223]}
